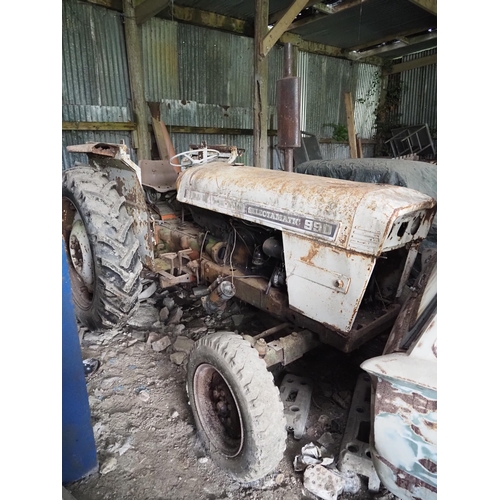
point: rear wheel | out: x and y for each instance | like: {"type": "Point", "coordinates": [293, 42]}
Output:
{"type": "Point", "coordinates": [236, 406]}
{"type": "Point", "coordinates": [103, 257]}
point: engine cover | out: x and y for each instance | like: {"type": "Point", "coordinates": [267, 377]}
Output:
{"type": "Point", "coordinates": [333, 230]}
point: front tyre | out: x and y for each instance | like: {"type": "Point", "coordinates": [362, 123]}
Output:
{"type": "Point", "coordinates": [236, 406]}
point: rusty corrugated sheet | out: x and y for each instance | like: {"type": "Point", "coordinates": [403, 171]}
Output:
{"type": "Point", "coordinates": [95, 83]}
{"type": "Point", "coordinates": [160, 58]}
{"type": "Point", "coordinates": [325, 80]}
{"type": "Point", "coordinates": [419, 95]}
{"type": "Point", "coordinates": [368, 78]}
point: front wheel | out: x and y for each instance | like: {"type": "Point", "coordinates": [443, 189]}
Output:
{"type": "Point", "coordinates": [236, 406]}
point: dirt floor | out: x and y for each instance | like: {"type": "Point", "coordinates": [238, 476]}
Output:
{"type": "Point", "coordinates": [145, 436]}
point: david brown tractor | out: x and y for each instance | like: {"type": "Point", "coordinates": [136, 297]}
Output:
{"type": "Point", "coordinates": [329, 258]}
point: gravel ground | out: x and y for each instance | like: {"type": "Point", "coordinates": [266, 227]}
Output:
{"type": "Point", "coordinates": [145, 435]}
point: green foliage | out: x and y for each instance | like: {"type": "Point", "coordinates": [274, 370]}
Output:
{"type": "Point", "coordinates": [372, 93]}
{"type": "Point", "coordinates": [340, 132]}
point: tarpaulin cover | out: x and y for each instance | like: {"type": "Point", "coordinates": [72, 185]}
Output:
{"type": "Point", "coordinates": [417, 175]}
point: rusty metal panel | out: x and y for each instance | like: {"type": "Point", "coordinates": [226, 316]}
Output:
{"type": "Point", "coordinates": [351, 215]}
{"type": "Point", "coordinates": [95, 79]}
{"type": "Point", "coordinates": [323, 283]}
{"type": "Point", "coordinates": [217, 67]}
{"type": "Point", "coordinates": [160, 58]}
{"type": "Point", "coordinates": [404, 435]}
{"type": "Point", "coordinates": [323, 80]}
{"type": "Point", "coordinates": [419, 94]}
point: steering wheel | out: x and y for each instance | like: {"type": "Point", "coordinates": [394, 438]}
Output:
{"type": "Point", "coordinates": [187, 157]}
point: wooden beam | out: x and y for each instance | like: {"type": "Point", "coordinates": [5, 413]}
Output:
{"type": "Point", "coordinates": [351, 129]}
{"type": "Point", "coordinates": [147, 9]}
{"type": "Point", "coordinates": [211, 20]}
{"type": "Point", "coordinates": [276, 16]}
{"type": "Point", "coordinates": [388, 38]}
{"type": "Point", "coordinates": [280, 27]}
{"type": "Point", "coordinates": [117, 126]}
{"type": "Point", "coordinates": [109, 4]}
{"type": "Point", "coordinates": [406, 66]}
{"type": "Point", "coordinates": [313, 47]}
{"type": "Point", "coordinates": [261, 76]}
{"type": "Point", "coordinates": [136, 77]}
{"type": "Point", "coordinates": [428, 5]}
{"type": "Point", "coordinates": [386, 49]}
{"type": "Point", "coordinates": [305, 21]}
{"type": "Point", "coordinates": [335, 9]}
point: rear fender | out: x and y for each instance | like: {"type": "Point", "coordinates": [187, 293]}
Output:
{"type": "Point", "coordinates": [115, 161]}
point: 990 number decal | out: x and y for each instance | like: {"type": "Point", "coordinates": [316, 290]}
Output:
{"type": "Point", "coordinates": [284, 219]}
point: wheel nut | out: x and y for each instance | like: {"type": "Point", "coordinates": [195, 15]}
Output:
{"type": "Point", "coordinates": [261, 347]}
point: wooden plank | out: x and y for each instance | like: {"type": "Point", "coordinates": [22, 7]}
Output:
{"type": "Point", "coordinates": [160, 141]}
{"type": "Point", "coordinates": [165, 147]}
{"type": "Point", "coordinates": [387, 49]}
{"type": "Point", "coordinates": [147, 9]}
{"type": "Point", "coordinates": [388, 38]}
{"type": "Point", "coordinates": [280, 27]}
{"type": "Point", "coordinates": [428, 5]}
{"type": "Point", "coordinates": [136, 77]}
{"type": "Point", "coordinates": [117, 126]}
{"type": "Point", "coordinates": [359, 148]}
{"type": "Point", "coordinates": [351, 129]}
{"type": "Point", "coordinates": [406, 66]}
{"type": "Point", "coordinates": [261, 75]}
{"type": "Point", "coordinates": [211, 20]}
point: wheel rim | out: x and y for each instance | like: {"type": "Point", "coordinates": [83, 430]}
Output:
{"type": "Point", "coordinates": [218, 410]}
{"type": "Point", "coordinates": [81, 268]}
{"type": "Point", "coordinates": [81, 254]}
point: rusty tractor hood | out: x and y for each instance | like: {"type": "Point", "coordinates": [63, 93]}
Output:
{"type": "Point", "coordinates": [355, 216]}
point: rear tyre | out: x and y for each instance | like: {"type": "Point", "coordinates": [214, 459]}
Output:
{"type": "Point", "coordinates": [236, 406]}
{"type": "Point", "coordinates": [103, 254]}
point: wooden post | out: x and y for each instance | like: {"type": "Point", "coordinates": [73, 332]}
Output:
{"type": "Point", "coordinates": [351, 129]}
{"type": "Point", "coordinates": [136, 77]}
{"type": "Point", "coordinates": [359, 147]}
{"type": "Point", "coordinates": [261, 72]}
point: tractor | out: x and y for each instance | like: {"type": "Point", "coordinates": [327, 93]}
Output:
{"type": "Point", "coordinates": [329, 258]}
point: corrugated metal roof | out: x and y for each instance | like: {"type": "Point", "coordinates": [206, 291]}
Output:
{"type": "Point", "coordinates": [366, 22]}
{"type": "Point", "coordinates": [346, 26]}
{"type": "Point", "coordinates": [239, 9]}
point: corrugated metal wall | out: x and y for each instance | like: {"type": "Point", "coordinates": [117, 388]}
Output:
{"type": "Point", "coordinates": [418, 103]}
{"type": "Point", "coordinates": [202, 77]}
{"type": "Point", "coordinates": [95, 85]}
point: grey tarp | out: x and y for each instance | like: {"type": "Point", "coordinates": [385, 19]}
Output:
{"type": "Point", "coordinates": [417, 175]}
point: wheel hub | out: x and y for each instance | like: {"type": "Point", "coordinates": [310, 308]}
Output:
{"type": "Point", "coordinates": [218, 410]}
{"type": "Point", "coordinates": [81, 254]}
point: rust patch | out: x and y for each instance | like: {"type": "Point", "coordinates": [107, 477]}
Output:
{"type": "Point", "coordinates": [313, 251]}
{"type": "Point", "coordinates": [430, 425]}
{"type": "Point", "coordinates": [391, 400]}
{"type": "Point", "coordinates": [405, 480]}
{"type": "Point", "coordinates": [429, 465]}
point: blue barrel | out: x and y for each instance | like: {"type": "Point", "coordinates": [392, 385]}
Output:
{"type": "Point", "coordinates": [79, 457]}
